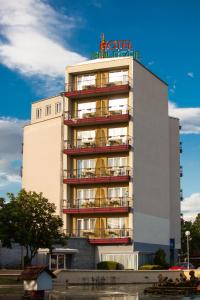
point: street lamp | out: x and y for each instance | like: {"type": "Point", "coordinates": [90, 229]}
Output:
{"type": "Point", "coordinates": [187, 233]}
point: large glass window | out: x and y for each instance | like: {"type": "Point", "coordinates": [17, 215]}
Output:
{"type": "Point", "coordinates": [117, 165]}
{"type": "Point", "coordinates": [116, 223]}
{"type": "Point", "coordinates": [117, 192]}
{"type": "Point", "coordinates": [85, 138]}
{"type": "Point", "coordinates": [118, 76]}
{"type": "Point", "coordinates": [86, 224]}
{"type": "Point", "coordinates": [85, 196]}
{"type": "Point", "coordinates": [117, 135]}
{"type": "Point", "coordinates": [86, 109]}
{"type": "Point", "coordinates": [118, 106]}
{"type": "Point", "coordinates": [85, 81]}
{"type": "Point", "coordinates": [86, 167]}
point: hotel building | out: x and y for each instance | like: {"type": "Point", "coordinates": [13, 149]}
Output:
{"type": "Point", "coordinates": [106, 153]}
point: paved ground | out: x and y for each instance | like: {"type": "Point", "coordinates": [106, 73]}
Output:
{"type": "Point", "coordinates": [6, 272]}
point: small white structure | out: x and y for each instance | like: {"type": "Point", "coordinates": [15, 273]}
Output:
{"type": "Point", "coordinates": [58, 258]}
{"type": "Point", "coordinates": [37, 279]}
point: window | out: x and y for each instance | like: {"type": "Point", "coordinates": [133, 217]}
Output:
{"type": "Point", "coordinates": [85, 138]}
{"type": "Point", "coordinates": [48, 110]}
{"type": "Point", "coordinates": [85, 196]}
{"type": "Point", "coordinates": [116, 223]}
{"type": "Point", "coordinates": [85, 81]}
{"type": "Point", "coordinates": [58, 107]}
{"type": "Point", "coordinates": [117, 161]}
{"type": "Point", "coordinates": [86, 224]}
{"type": "Point", "coordinates": [117, 135]}
{"type": "Point", "coordinates": [38, 113]}
{"type": "Point", "coordinates": [86, 167]}
{"type": "Point", "coordinates": [86, 109]}
{"type": "Point", "coordinates": [119, 76]}
{"type": "Point", "coordinates": [117, 192]}
{"type": "Point", "coordinates": [118, 105]}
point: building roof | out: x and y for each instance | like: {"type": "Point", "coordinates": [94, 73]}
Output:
{"type": "Point", "coordinates": [32, 273]}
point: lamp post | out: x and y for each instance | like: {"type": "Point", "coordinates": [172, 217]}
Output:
{"type": "Point", "coordinates": [187, 233]}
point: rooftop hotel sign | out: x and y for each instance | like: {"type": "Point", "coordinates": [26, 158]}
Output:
{"type": "Point", "coordinates": [115, 48]}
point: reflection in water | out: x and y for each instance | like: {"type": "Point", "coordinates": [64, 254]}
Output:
{"type": "Point", "coordinates": [114, 292]}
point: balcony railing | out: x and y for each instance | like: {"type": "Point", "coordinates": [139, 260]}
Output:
{"type": "Point", "coordinates": [98, 145]}
{"type": "Point", "coordinates": [97, 172]}
{"type": "Point", "coordinates": [99, 202]}
{"type": "Point", "coordinates": [107, 111]}
{"type": "Point", "coordinates": [102, 233]}
{"type": "Point", "coordinates": [97, 86]}
{"type": "Point", "coordinates": [97, 175]}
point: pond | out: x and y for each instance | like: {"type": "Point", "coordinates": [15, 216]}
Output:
{"type": "Point", "coordinates": [114, 292]}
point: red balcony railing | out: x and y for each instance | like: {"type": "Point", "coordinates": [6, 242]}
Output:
{"type": "Point", "coordinates": [98, 205]}
{"type": "Point", "coordinates": [91, 87]}
{"type": "Point", "coordinates": [105, 235]}
{"type": "Point", "coordinates": [97, 175]}
{"type": "Point", "coordinates": [119, 143]}
{"type": "Point", "coordinates": [105, 115]}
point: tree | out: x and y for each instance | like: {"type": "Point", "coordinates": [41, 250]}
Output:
{"type": "Point", "coordinates": [30, 220]}
{"type": "Point", "coordinates": [194, 228]}
{"type": "Point", "coordinates": [160, 257]}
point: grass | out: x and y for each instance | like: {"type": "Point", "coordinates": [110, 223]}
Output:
{"type": "Point", "coordinates": [9, 280]}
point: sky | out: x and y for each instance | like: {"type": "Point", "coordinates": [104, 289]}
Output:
{"type": "Point", "coordinates": [39, 38]}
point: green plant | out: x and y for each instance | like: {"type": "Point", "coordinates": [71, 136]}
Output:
{"type": "Point", "coordinates": [108, 265]}
{"type": "Point", "coordinates": [150, 267]}
{"type": "Point", "coordinates": [160, 258]}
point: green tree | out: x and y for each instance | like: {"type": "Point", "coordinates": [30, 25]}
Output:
{"type": "Point", "coordinates": [30, 220]}
{"type": "Point", "coordinates": [194, 240]}
{"type": "Point", "coordinates": [160, 257]}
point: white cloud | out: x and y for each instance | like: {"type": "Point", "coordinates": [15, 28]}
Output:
{"type": "Point", "coordinates": [32, 38]}
{"type": "Point", "coordinates": [10, 150]}
{"type": "Point", "coordinates": [190, 74]}
{"type": "Point", "coordinates": [150, 63]}
{"type": "Point", "coordinates": [189, 118]}
{"type": "Point", "coordinates": [190, 207]}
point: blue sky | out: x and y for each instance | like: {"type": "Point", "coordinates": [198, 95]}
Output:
{"type": "Point", "coordinates": [39, 38]}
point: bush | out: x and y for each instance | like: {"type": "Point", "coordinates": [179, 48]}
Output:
{"type": "Point", "coordinates": [150, 267]}
{"type": "Point", "coordinates": [160, 257]}
{"type": "Point", "coordinates": [109, 265]}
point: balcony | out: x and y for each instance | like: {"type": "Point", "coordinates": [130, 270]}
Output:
{"type": "Point", "coordinates": [90, 88]}
{"type": "Point", "coordinates": [105, 236]}
{"type": "Point", "coordinates": [107, 115]}
{"type": "Point", "coordinates": [97, 175]}
{"type": "Point", "coordinates": [113, 144]}
{"type": "Point", "coordinates": [98, 206]}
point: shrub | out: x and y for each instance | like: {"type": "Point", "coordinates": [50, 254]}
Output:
{"type": "Point", "coordinates": [160, 257]}
{"type": "Point", "coordinates": [109, 265]}
{"type": "Point", "coordinates": [150, 267]}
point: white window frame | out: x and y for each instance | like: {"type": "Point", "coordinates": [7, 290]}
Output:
{"type": "Point", "coordinates": [85, 80]}
{"type": "Point", "coordinates": [38, 113]}
{"type": "Point", "coordinates": [118, 133]}
{"type": "Point", "coordinates": [120, 104]}
{"type": "Point", "coordinates": [47, 110]}
{"type": "Point", "coordinates": [58, 106]}
{"type": "Point", "coordinates": [86, 107]}
{"type": "Point", "coordinates": [118, 76]}
{"type": "Point", "coordinates": [120, 225]}
{"type": "Point", "coordinates": [85, 136]}
{"type": "Point", "coordinates": [83, 222]}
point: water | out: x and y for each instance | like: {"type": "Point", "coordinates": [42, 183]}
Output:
{"type": "Point", "coordinates": [114, 292]}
